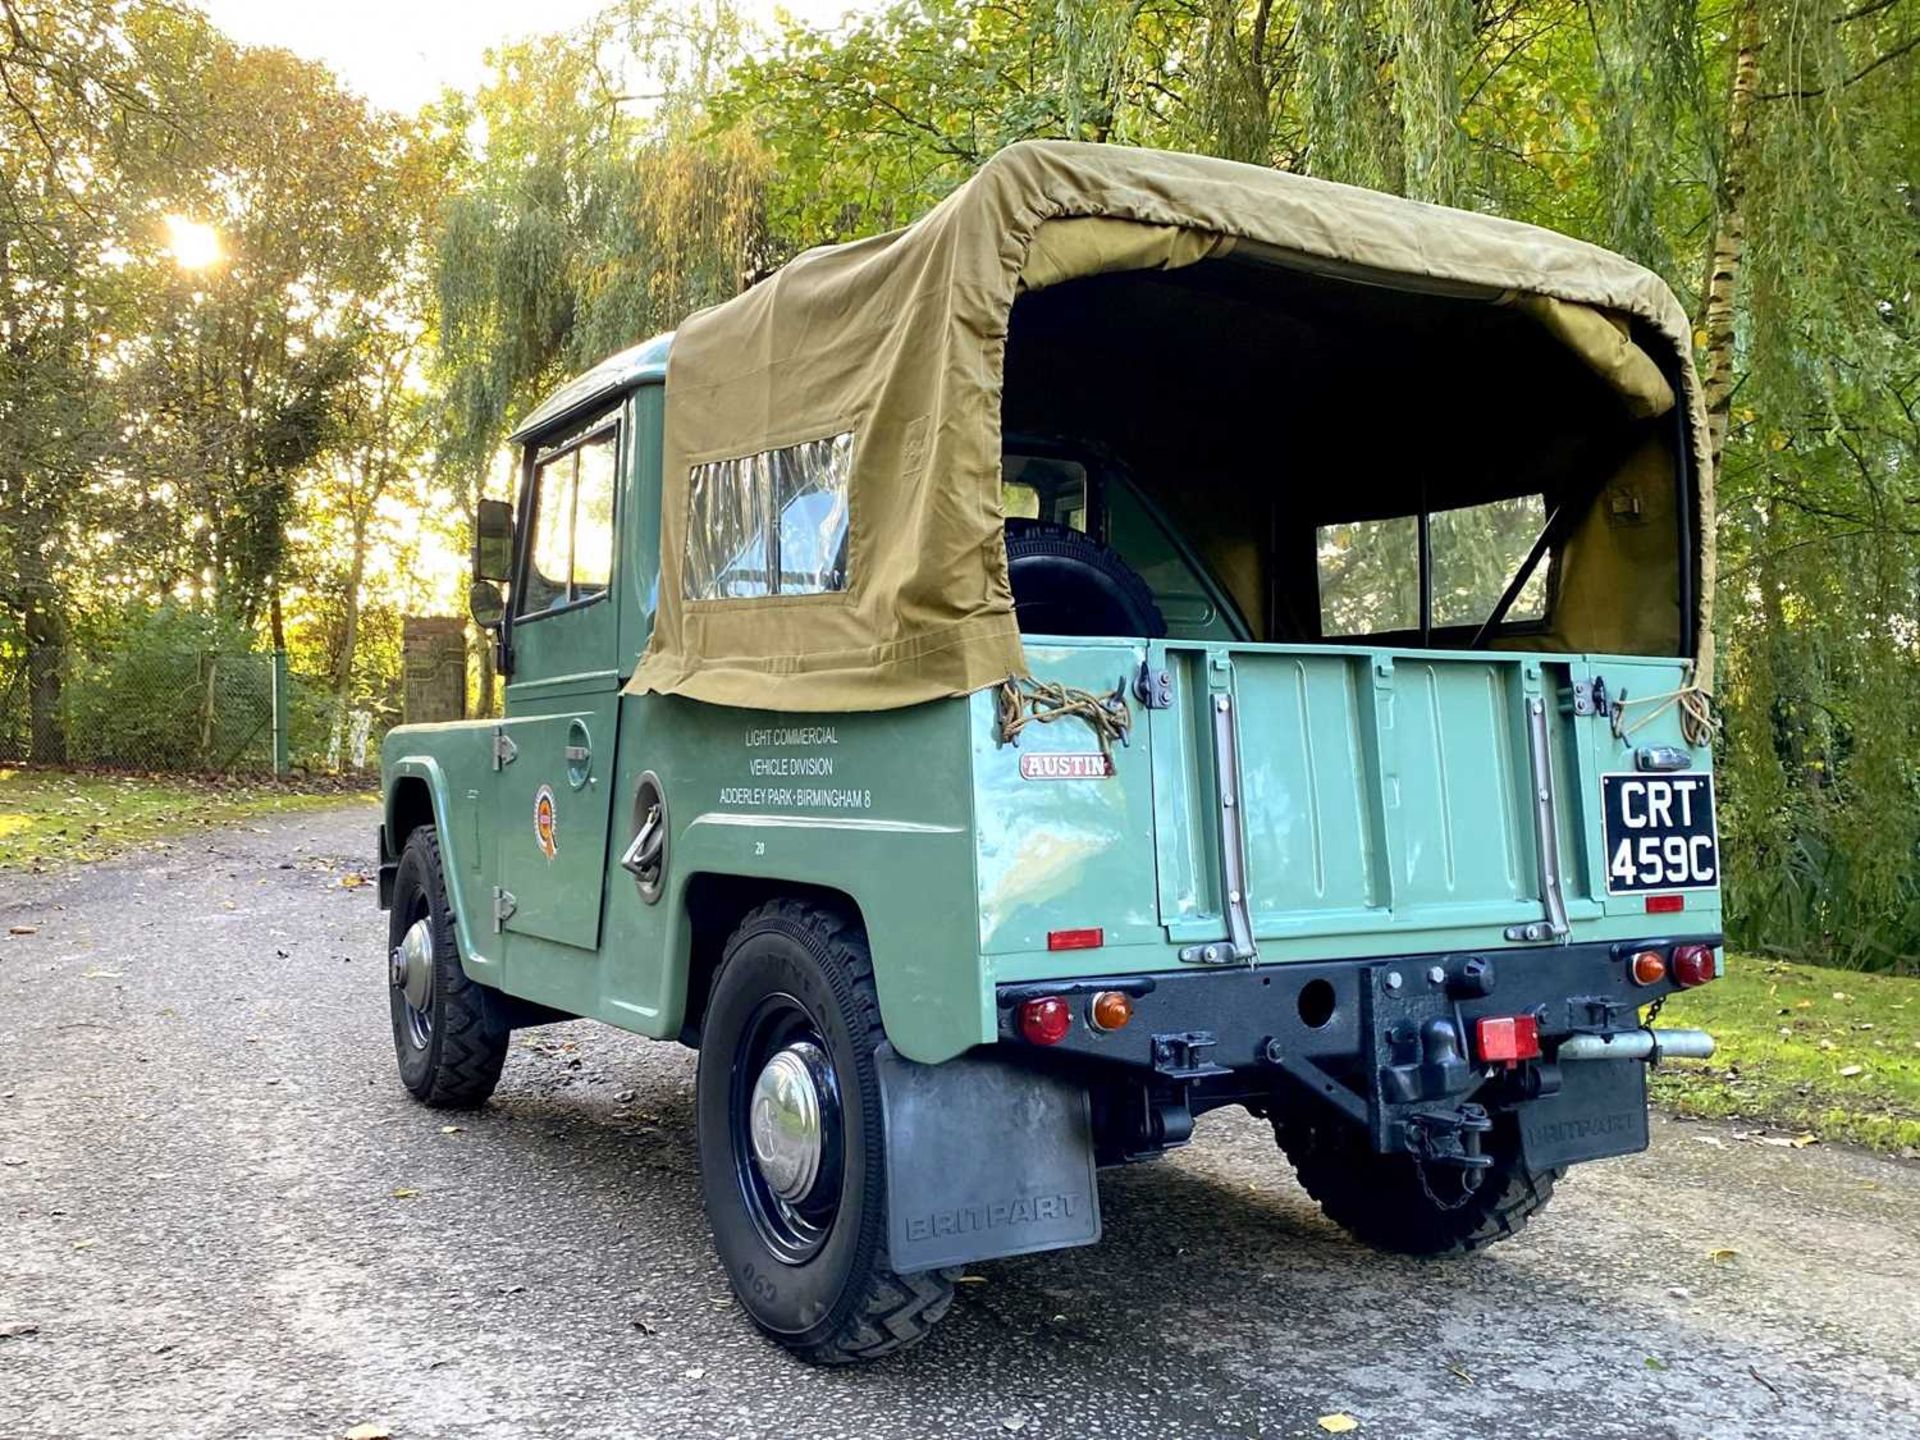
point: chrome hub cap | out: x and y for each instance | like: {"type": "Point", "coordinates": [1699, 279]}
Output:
{"type": "Point", "coordinates": [410, 971]}
{"type": "Point", "coordinates": [785, 1121]}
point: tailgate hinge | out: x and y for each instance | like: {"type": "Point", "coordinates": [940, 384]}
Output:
{"type": "Point", "coordinates": [1233, 849]}
{"type": "Point", "coordinates": [505, 752]}
{"type": "Point", "coordinates": [1590, 697]}
{"type": "Point", "coordinates": [1546, 831]}
{"type": "Point", "coordinates": [503, 907]}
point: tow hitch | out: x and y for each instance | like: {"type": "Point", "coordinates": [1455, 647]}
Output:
{"type": "Point", "coordinates": [1450, 1137]}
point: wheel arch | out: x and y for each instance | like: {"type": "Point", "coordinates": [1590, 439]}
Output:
{"type": "Point", "coordinates": [416, 795]}
{"type": "Point", "coordinates": [712, 905]}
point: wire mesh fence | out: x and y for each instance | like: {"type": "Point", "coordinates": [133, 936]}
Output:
{"type": "Point", "coordinates": [167, 709]}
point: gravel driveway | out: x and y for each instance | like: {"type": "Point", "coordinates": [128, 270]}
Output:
{"type": "Point", "coordinates": [221, 1216]}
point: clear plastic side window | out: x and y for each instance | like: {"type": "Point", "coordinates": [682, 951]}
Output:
{"type": "Point", "coordinates": [772, 523]}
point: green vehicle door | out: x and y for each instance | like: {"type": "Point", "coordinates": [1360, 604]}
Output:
{"type": "Point", "coordinates": [563, 698]}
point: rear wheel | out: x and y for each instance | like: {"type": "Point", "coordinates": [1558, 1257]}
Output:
{"type": "Point", "coordinates": [449, 1036]}
{"type": "Point", "coordinates": [1392, 1202]}
{"type": "Point", "coordinates": [792, 1149]}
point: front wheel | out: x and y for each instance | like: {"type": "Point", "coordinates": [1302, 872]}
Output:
{"type": "Point", "coordinates": [449, 1036]}
{"type": "Point", "coordinates": [792, 1148]}
{"type": "Point", "coordinates": [1393, 1202]}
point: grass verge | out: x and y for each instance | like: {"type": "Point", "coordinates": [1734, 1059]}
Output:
{"type": "Point", "coordinates": [1830, 1053]}
{"type": "Point", "coordinates": [50, 818]}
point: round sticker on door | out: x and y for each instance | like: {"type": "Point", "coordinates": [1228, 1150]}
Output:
{"type": "Point", "coordinates": [544, 826]}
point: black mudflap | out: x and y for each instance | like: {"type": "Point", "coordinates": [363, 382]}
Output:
{"type": "Point", "coordinates": [1600, 1110]}
{"type": "Point", "coordinates": [984, 1159]}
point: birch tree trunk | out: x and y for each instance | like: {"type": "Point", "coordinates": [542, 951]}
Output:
{"type": "Point", "coordinates": [1729, 236]}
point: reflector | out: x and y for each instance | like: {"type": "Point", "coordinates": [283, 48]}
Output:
{"type": "Point", "coordinates": [1665, 904]}
{"type": "Point", "coordinates": [1508, 1038]}
{"type": "Point", "coordinates": [1088, 939]}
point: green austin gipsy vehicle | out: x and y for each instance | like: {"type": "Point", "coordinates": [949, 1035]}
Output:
{"type": "Point", "coordinates": [1156, 634]}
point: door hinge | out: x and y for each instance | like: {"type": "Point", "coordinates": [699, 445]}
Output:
{"type": "Point", "coordinates": [505, 752]}
{"type": "Point", "coordinates": [503, 907]}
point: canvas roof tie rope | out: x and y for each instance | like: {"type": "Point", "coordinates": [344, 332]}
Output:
{"type": "Point", "coordinates": [1024, 702]}
{"type": "Point", "coordinates": [1697, 722]}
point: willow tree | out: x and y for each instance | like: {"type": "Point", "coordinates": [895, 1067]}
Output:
{"type": "Point", "coordinates": [598, 209]}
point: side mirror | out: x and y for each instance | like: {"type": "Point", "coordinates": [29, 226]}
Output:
{"type": "Point", "coordinates": [486, 604]}
{"type": "Point", "coordinates": [493, 541]}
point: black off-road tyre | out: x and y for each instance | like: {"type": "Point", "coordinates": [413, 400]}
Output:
{"type": "Point", "coordinates": [842, 1301]}
{"type": "Point", "coordinates": [1067, 583]}
{"type": "Point", "coordinates": [1380, 1201]}
{"type": "Point", "coordinates": [465, 1028]}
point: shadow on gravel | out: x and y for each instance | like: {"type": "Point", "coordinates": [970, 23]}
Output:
{"type": "Point", "coordinates": [1212, 1251]}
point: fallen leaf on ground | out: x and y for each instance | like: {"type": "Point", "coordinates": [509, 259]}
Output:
{"type": "Point", "coordinates": [369, 1431]}
{"type": "Point", "coordinates": [1013, 1422]}
{"type": "Point", "coordinates": [13, 1329]}
{"type": "Point", "coordinates": [1462, 1376]}
{"type": "Point", "coordinates": [23, 930]}
{"type": "Point", "coordinates": [1720, 1257]}
{"type": "Point", "coordinates": [1338, 1423]}
{"type": "Point", "coordinates": [970, 1280]}
{"type": "Point", "coordinates": [13, 1160]}
{"type": "Point", "coordinates": [451, 1129]}
{"type": "Point", "coordinates": [698, 1372]}
{"type": "Point", "coordinates": [85, 1244]}
{"type": "Point", "coordinates": [1654, 1362]}
{"type": "Point", "coordinates": [401, 1192]}
{"type": "Point", "coordinates": [1847, 1072]}
{"type": "Point", "coordinates": [352, 880]}
{"type": "Point", "coordinates": [1800, 1142]}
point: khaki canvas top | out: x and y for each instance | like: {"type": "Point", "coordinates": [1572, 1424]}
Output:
{"type": "Point", "coordinates": [899, 343]}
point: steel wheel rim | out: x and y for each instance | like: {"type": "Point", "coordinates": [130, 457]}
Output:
{"type": "Point", "coordinates": [791, 1189]}
{"type": "Point", "coordinates": [410, 974]}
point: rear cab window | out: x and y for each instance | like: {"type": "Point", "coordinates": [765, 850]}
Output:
{"type": "Point", "coordinates": [1371, 571]}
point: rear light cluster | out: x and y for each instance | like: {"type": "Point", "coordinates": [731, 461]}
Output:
{"type": "Point", "coordinates": [1689, 965]}
{"type": "Point", "coordinates": [1046, 1020]}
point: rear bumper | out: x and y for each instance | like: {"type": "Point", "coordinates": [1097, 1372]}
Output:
{"type": "Point", "coordinates": [1391, 1042]}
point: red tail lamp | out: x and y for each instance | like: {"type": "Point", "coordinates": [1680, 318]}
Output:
{"type": "Point", "coordinates": [1507, 1038]}
{"type": "Point", "coordinates": [1694, 965]}
{"type": "Point", "coordinates": [1045, 1021]}
{"type": "Point", "coordinates": [1649, 967]}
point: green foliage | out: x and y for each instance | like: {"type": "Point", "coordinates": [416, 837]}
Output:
{"type": "Point", "coordinates": [167, 688]}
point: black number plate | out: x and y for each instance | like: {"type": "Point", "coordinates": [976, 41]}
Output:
{"type": "Point", "coordinates": [1660, 833]}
